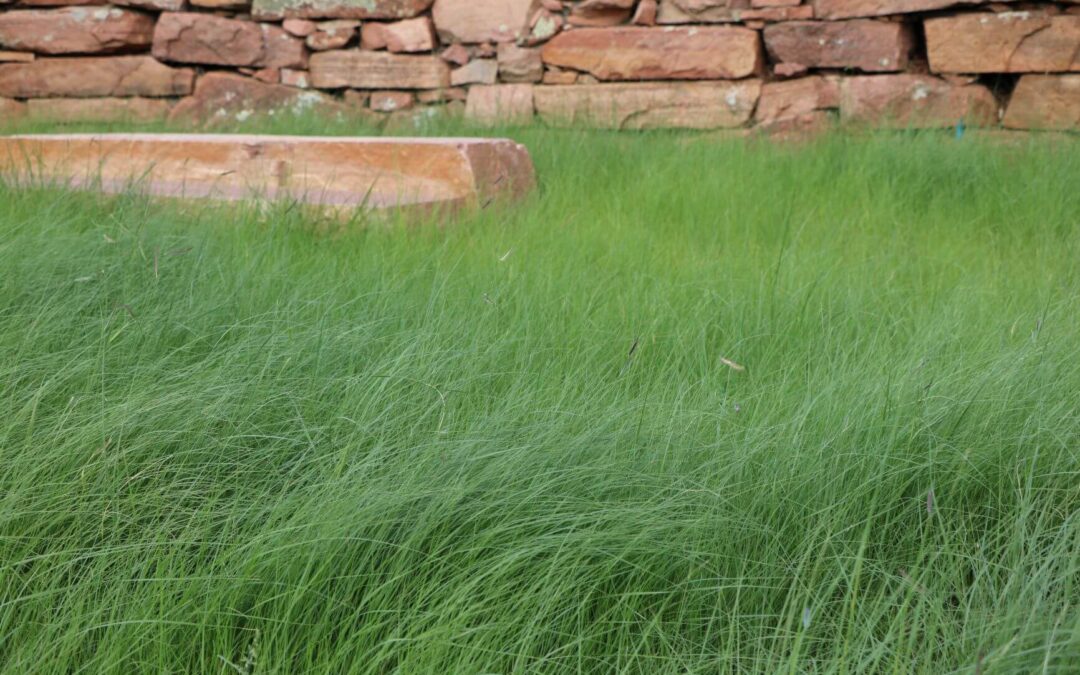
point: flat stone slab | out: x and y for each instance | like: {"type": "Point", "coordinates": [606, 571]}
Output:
{"type": "Point", "coordinates": [343, 173]}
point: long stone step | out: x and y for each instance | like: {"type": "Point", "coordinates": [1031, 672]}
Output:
{"type": "Point", "coordinates": [344, 173]}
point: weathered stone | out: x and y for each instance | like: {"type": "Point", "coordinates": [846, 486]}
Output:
{"type": "Point", "coordinates": [11, 110]}
{"type": "Point", "coordinates": [267, 75]}
{"type": "Point", "coordinates": [649, 105]}
{"type": "Point", "coordinates": [914, 101]}
{"type": "Point", "coordinates": [295, 78]}
{"type": "Point", "coordinates": [634, 53]}
{"type": "Point", "coordinates": [645, 14]}
{"type": "Point", "coordinates": [299, 27]}
{"type": "Point", "coordinates": [473, 21]}
{"type": "Point", "coordinates": [543, 26]}
{"type": "Point", "coordinates": [409, 36]}
{"type": "Point", "coordinates": [442, 95]}
{"type": "Point", "coordinates": [187, 37]}
{"type": "Point", "coordinates": [224, 97]}
{"type": "Point", "coordinates": [98, 109]}
{"type": "Point", "coordinates": [500, 104]}
{"type": "Point", "coordinates": [795, 99]}
{"type": "Point", "coordinates": [389, 101]}
{"type": "Point", "coordinates": [377, 70]}
{"type": "Point", "coordinates": [783, 70]}
{"type": "Point", "coordinates": [726, 11]}
{"type": "Point", "coordinates": [333, 34]}
{"type": "Point", "coordinates": [458, 55]}
{"type": "Point", "coordinates": [1045, 102]}
{"type": "Point", "coordinates": [864, 44]}
{"type": "Point", "coordinates": [595, 13]}
{"type": "Point", "coordinates": [16, 57]}
{"type": "Point", "coordinates": [76, 30]}
{"type": "Point", "coordinates": [517, 64]}
{"type": "Point", "coordinates": [1010, 42]}
{"type": "Point", "coordinates": [231, 5]}
{"type": "Point", "coordinates": [477, 71]}
{"type": "Point", "coordinates": [342, 173]}
{"type": "Point", "coordinates": [423, 120]}
{"type": "Point", "coordinates": [154, 5]}
{"type": "Point", "coordinates": [847, 9]}
{"type": "Point", "coordinates": [556, 75]}
{"type": "Point", "coordinates": [338, 9]}
{"type": "Point", "coordinates": [94, 77]}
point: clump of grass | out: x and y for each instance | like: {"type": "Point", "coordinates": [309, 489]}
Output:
{"type": "Point", "coordinates": [694, 407]}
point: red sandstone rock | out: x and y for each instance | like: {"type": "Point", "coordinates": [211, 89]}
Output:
{"type": "Point", "coordinates": [231, 5]}
{"type": "Point", "coordinates": [409, 36]}
{"type": "Point", "coordinates": [333, 34]}
{"type": "Point", "coordinates": [295, 78]}
{"type": "Point", "coordinates": [556, 75]}
{"type": "Point", "coordinates": [914, 101]}
{"type": "Point", "coordinates": [76, 30]}
{"type": "Point", "coordinates": [648, 105]}
{"type": "Point", "coordinates": [94, 77]}
{"type": "Point", "coordinates": [16, 57]}
{"type": "Point", "coordinates": [634, 53]}
{"type": "Point", "coordinates": [796, 99]}
{"type": "Point", "coordinates": [726, 11]}
{"type": "Point", "coordinates": [864, 44]}
{"type": "Point", "coordinates": [543, 26]}
{"type": "Point", "coordinates": [500, 104]}
{"type": "Point", "coordinates": [343, 173]}
{"type": "Point", "coordinates": [389, 101]}
{"type": "Point", "coordinates": [473, 21]}
{"type": "Point", "coordinates": [456, 54]}
{"type": "Point", "coordinates": [783, 70]}
{"type": "Point", "coordinates": [298, 27]}
{"type": "Point", "coordinates": [601, 12]}
{"type": "Point", "coordinates": [846, 9]}
{"type": "Point", "coordinates": [376, 70]}
{"type": "Point", "coordinates": [517, 64]}
{"type": "Point", "coordinates": [223, 97]}
{"type": "Point", "coordinates": [98, 109]}
{"type": "Point", "coordinates": [338, 9]}
{"type": "Point", "coordinates": [11, 110]}
{"type": "Point", "coordinates": [1010, 42]}
{"type": "Point", "coordinates": [452, 94]}
{"type": "Point", "coordinates": [477, 71]}
{"type": "Point", "coordinates": [187, 37]}
{"type": "Point", "coordinates": [1045, 102]}
{"type": "Point", "coordinates": [645, 14]}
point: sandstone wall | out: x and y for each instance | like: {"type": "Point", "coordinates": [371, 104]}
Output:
{"type": "Point", "coordinates": [775, 65]}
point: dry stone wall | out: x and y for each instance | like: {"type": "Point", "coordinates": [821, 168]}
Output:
{"type": "Point", "coordinates": [773, 65]}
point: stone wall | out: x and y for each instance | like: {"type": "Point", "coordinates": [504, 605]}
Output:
{"type": "Point", "coordinates": [774, 65]}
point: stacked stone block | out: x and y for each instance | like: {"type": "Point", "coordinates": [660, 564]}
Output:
{"type": "Point", "coordinates": [772, 65]}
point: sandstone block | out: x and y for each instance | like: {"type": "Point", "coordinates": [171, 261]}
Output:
{"type": "Point", "coordinates": [726, 11]}
{"type": "Point", "coordinates": [1009, 42]}
{"type": "Point", "coordinates": [519, 64]}
{"type": "Point", "coordinates": [187, 37]}
{"type": "Point", "coordinates": [1045, 102]}
{"type": "Point", "coordinates": [500, 104]}
{"type": "Point", "coordinates": [389, 101]}
{"type": "Point", "coordinates": [473, 21]}
{"type": "Point", "coordinates": [650, 105]}
{"type": "Point", "coordinates": [16, 57]}
{"type": "Point", "coordinates": [377, 70]}
{"type": "Point", "coordinates": [338, 9]}
{"type": "Point", "coordinates": [98, 109]}
{"type": "Point", "coordinates": [477, 71]}
{"type": "Point", "coordinates": [635, 53]}
{"type": "Point", "coordinates": [343, 173]}
{"type": "Point", "coordinates": [76, 30]}
{"type": "Point", "coordinates": [863, 44]}
{"type": "Point", "coordinates": [796, 99]}
{"type": "Point", "coordinates": [915, 101]}
{"type": "Point", "coordinates": [333, 34]}
{"type": "Point", "coordinates": [409, 36]}
{"type": "Point", "coordinates": [847, 9]}
{"type": "Point", "coordinates": [94, 77]}
{"type": "Point", "coordinates": [224, 97]}
{"type": "Point", "coordinates": [11, 110]}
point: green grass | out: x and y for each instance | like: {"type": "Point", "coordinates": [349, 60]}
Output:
{"type": "Point", "coordinates": [516, 443]}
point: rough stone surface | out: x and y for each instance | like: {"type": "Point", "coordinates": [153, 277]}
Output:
{"type": "Point", "coordinates": [154, 5]}
{"type": "Point", "coordinates": [915, 101]}
{"type": "Point", "coordinates": [1045, 102]}
{"type": "Point", "coordinates": [500, 104]}
{"type": "Point", "coordinates": [11, 110]}
{"type": "Point", "coordinates": [16, 57]}
{"type": "Point", "coordinates": [1009, 42]}
{"type": "Point", "coordinates": [473, 21]}
{"type": "Point", "coordinates": [635, 53]}
{"type": "Point", "coordinates": [188, 37]}
{"type": "Point", "coordinates": [796, 99]}
{"type": "Point", "coordinates": [337, 172]}
{"type": "Point", "coordinates": [338, 9]}
{"type": "Point", "coordinates": [648, 105]}
{"type": "Point", "coordinates": [76, 30]}
{"type": "Point", "coordinates": [225, 97]}
{"type": "Point", "coordinates": [477, 71]}
{"type": "Point", "coordinates": [91, 77]}
{"type": "Point", "coordinates": [377, 70]}
{"type": "Point", "coordinates": [519, 64]}
{"type": "Point", "coordinates": [409, 36]}
{"type": "Point", "coordinates": [333, 34]}
{"type": "Point", "coordinates": [389, 101]}
{"type": "Point", "coordinates": [98, 109]}
{"type": "Point", "coordinates": [846, 9]}
{"type": "Point", "coordinates": [725, 11]}
{"type": "Point", "coordinates": [863, 44]}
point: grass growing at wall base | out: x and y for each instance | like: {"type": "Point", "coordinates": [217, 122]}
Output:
{"type": "Point", "coordinates": [695, 407]}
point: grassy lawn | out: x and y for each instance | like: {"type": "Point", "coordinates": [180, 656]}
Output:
{"type": "Point", "coordinates": [696, 407]}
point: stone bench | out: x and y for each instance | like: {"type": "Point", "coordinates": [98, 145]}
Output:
{"type": "Point", "coordinates": [342, 173]}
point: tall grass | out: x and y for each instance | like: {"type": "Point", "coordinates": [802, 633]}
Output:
{"type": "Point", "coordinates": [696, 407]}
